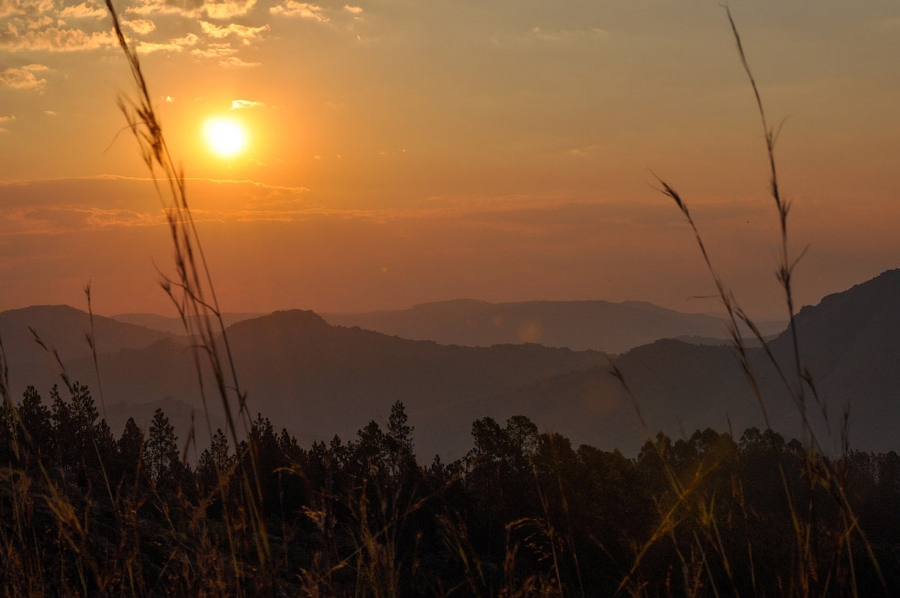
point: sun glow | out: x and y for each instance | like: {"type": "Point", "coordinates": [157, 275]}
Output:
{"type": "Point", "coordinates": [225, 136]}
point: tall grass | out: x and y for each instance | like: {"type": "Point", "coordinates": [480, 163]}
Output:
{"type": "Point", "coordinates": [192, 291]}
{"type": "Point", "coordinates": [810, 574]}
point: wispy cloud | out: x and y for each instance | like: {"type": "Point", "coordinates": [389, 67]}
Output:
{"type": "Point", "coordinates": [25, 7]}
{"type": "Point", "coordinates": [595, 34]}
{"type": "Point", "coordinates": [356, 10]}
{"type": "Point", "coordinates": [304, 10]}
{"type": "Point", "coordinates": [24, 77]}
{"type": "Point", "coordinates": [242, 31]}
{"type": "Point", "coordinates": [215, 51]}
{"type": "Point", "coordinates": [580, 152]}
{"type": "Point", "coordinates": [140, 26]}
{"type": "Point", "coordinates": [58, 206]}
{"type": "Point", "coordinates": [228, 9]}
{"type": "Point", "coordinates": [236, 62]}
{"type": "Point", "coordinates": [83, 11]}
{"type": "Point", "coordinates": [3, 120]}
{"type": "Point", "coordinates": [175, 45]}
{"type": "Point", "coordinates": [188, 8]}
{"type": "Point", "coordinates": [53, 39]}
{"type": "Point", "coordinates": [213, 9]}
{"type": "Point", "coordinates": [242, 104]}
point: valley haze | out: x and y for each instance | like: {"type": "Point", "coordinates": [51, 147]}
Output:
{"type": "Point", "coordinates": [318, 379]}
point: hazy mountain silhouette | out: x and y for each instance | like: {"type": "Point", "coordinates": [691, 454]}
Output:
{"type": "Point", "coordinates": [328, 379]}
{"type": "Point", "coordinates": [848, 342]}
{"type": "Point", "coordinates": [64, 329]}
{"type": "Point", "coordinates": [318, 380]}
{"type": "Point", "coordinates": [175, 325]}
{"type": "Point", "coordinates": [579, 325]}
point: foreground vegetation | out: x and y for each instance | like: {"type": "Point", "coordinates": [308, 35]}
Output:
{"type": "Point", "coordinates": [522, 514]}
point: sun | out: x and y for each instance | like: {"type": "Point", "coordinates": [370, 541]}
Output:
{"type": "Point", "coordinates": [225, 136]}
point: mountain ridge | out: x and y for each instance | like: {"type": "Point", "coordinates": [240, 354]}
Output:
{"type": "Point", "coordinates": [590, 324]}
{"type": "Point", "coordinates": [319, 379]}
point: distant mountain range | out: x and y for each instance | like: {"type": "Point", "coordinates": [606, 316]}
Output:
{"type": "Point", "coordinates": [849, 342]}
{"type": "Point", "coordinates": [174, 325]}
{"type": "Point", "coordinates": [578, 325]}
{"type": "Point", "coordinates": [313, 378]}
{"type": "Point", "coordinates": [319, 379]}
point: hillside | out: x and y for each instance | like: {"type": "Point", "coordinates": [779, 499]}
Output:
{"type": "Point", "coordinates": [319, 380]}
{"type": "Point", "coordinates": [64, 329]}
{"type": "Point", "coordinates": [172, 325]}
{"type": "Point", "coordinates": [848, 342]}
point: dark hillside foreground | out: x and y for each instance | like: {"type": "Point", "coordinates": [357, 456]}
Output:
{"type": "Point", "coordinates": [84, 513]}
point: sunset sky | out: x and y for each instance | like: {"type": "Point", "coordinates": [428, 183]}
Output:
{"type": "Point", "coordinates": [404, 151]}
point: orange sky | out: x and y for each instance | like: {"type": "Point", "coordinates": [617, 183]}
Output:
{"type": "Point", "coordinates": [402, 151]}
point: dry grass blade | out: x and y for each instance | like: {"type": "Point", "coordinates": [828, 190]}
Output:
{"type": "Point", "coordinates": [91, 339]}
{"type": "Point", "coordinates": [191, 289]}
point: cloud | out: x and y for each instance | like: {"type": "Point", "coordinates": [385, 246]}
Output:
{"type": "Point", "coordinates": [34, 22]}
{"type": "Point", "coordinates": [55, 220]}
{"type": "Point", "coordinates": [356, 10]}
{"type": "Point", "coordinates": [175, 45]}
{"type": "Point", "coordinates": [82, 11]}
{"type": "Point", "coordinates": [56, 206]}
{"type": "Point", "coordinates": [25, 7]}
{"type": "Point", "coordinates": [188, 8]}
{"type": "Point", "coordinates": [225, 9]}
{"type": "Point", "coordinates": [237, 62]}
{"type": "Point", "coordinates": [580, 152]}
{"type": "Point", "coordinates": [95, 218]}
{"type": "Point", "coordinates": [53, 39]}
{"type": "Point", "coordinates": [241, 104]}
{"type": "Point", "coordinates": [215, 51]}
{"type": "Point", "coordinates": [23, 78]}
{"type": "Point", "coordinates": [140, 26]}
{"type": "Point", "coordinates": [595, 34]}
{"type": "Point", "coordinates": [241, 31]}
{"type": "Point", "coordinates": [304, 10]}
{"type": "Point", "coordinates": [228, 9]}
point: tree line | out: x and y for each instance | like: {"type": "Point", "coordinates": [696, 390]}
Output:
{"type": "Point", "coordinates": [83, 512]}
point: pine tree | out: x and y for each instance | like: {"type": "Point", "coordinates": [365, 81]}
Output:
{"type": "Point", "coordinates": [130, 454]}
{"type": "Point", "coordinates": [161, 451]}
{"type": "Point", "coordinates": [35, 418]}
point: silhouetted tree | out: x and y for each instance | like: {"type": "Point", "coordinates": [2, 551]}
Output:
{"type": "Point", "coordinates": [38, 426]}
{"type": "Point", "coordinates": [161, 451]}
{"type": "Point", "coordinates": [130, 449]}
